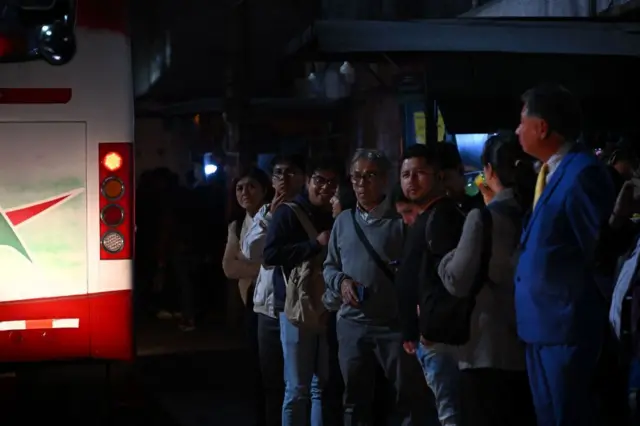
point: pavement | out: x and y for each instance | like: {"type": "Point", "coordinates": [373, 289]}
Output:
{"type": "Point", "coordinates": [178, 379]}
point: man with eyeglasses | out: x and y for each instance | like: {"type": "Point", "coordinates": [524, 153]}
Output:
{"type": "Point", "coordinates": [364, 246]}
{"type": "Point", "coordinates": [288, 181]}
{"type": "Point", "coordinates": [299, 232]}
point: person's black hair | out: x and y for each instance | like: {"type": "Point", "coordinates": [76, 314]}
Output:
{"type": "Point", "coordinates": [326, 162]}
{"type": "Point", "coordinates": [346, 196]}
{"type": "Point", "coordinates": [295, 160]}
{"type": "Point", "coordinates": [397, 195]}
{"type": "Point", "coordinates": [621, 154]}
{"type": "Point", "coordinates": [513, 167]}
{"type": "Point", "coordinates": [449, 156]}
{"type": "Point", "coordinates": [557, 106]}
{"type": "Point", "coordinates": [430, 155]}
{"type": "Point", "coordinates": [257, 174]}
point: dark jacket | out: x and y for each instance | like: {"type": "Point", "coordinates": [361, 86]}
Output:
{"type": "Point", "coordinates": [434, 234]}
{"type": "Point", "coordinates": [288, 245]}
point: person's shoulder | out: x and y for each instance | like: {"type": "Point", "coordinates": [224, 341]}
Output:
{"type": "Point", "coordinates": [592, 172]}
{"type": "Point", "coordinates": [446, 209]}
{"type": "Point", "coordinates": [342, 218]}
{"type": "Point", "coordinates": [284, 211]}
{"type": "Point", "coordinates": [475, 215]}
{"type": "Point", "coordinates": [262, 212]}
{"type": "Point", "coordinates": [584, 158]}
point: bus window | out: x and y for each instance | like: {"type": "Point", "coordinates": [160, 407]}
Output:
{"type": "Point", "coordinates": [37, 29]}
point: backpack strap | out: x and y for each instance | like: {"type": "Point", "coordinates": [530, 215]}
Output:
{"type": "Point", "coordinates": [304, 219]}
{"type": "Point", "coordinates": [485, 255]}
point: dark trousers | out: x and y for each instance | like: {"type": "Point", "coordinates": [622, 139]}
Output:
{"type": "Point", "coordinates": [612, 382]}
{"type": "Point", "coordinates": [561, 378]}
{"type": "Point", "coordinates": [272, 368]}
{"type": "Point", "coordinates": [361, 346]}
{"type": "Point", "coordinates": [335, 384]}
{"type": "Point", "coordinates": [492, 397]}
{"type": "Point", "coordinates": [251, 326]}
{"type": "Point", "coordinates": [383, 392]}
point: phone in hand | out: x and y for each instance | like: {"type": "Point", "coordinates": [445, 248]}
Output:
{"type": "Point", "coordinates": [361, 291]}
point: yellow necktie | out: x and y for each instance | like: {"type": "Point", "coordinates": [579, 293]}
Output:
{"type": "Point", "coordinates": [540, 183]}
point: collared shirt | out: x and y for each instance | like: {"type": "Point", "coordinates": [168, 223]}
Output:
{"type": "Point", "coordinates": [555, 160]}
{"type": "Point", "coordinates": [374, 214]}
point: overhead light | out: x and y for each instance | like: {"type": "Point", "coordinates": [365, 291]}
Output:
{"type": "Point", "coordinates": [210, 169]}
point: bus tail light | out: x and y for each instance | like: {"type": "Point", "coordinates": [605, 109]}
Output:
{"type": "Point", "coordinates": [112, 161]}
{"type": "Point", "coordinates": [116, 201]}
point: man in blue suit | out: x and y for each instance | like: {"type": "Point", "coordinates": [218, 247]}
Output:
{"type": "Point", "coordinates": [558, 308]}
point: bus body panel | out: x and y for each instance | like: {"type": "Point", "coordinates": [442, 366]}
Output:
{"type": "Point", "coordinates": [83, 310]}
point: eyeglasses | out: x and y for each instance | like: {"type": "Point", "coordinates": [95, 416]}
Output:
{"type": "Point", "coordinates": [279, 174]}
{"type": "Point", "coordinates": [321, 181]}
{"type": "Point", "coordinates": [364, 177]}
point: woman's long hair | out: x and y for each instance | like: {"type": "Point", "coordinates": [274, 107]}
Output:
{"type": "Point", "coordinates": [513, 167]}
{"type": "Point", "coordinates": [346, 196]}
{"type": "Point", "coordinates": [237, 212]}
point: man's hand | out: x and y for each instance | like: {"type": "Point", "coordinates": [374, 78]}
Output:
{"type": "Point", "coordinates": [410, 347]}
{"type": "Point", "coordinates": [348, 292]}
{"type": "Point", "coordinates": [277, 200]}
{"type": "Point", "coordinates": [323, 238]}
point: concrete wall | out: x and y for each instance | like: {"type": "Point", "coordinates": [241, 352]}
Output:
{"type": "Point", "coordinates": [548, 8]}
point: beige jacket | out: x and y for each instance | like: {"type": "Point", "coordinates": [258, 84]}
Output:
{"type": "Point", "coordinates": [234, 264]}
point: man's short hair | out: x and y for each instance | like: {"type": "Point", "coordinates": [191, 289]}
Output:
{"type": "Point", "coordinates": [449, 156]}
{"type": "Point", "coordinates": [295, 160]}
{"type": "Point", "coordinates": [557, 106]}
{"type": "Point", "coordinates": [377, 157]}
{"type": "Point", "coordinates": [326, 162]}
{"type": "Point", "coordinates": [430, 155]}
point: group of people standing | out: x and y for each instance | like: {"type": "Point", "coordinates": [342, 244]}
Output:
{"type": "Point", "coordinates": [490, 303]}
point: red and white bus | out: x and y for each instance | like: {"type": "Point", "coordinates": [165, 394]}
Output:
{"type": "Point", "coordinates": [66, 180]}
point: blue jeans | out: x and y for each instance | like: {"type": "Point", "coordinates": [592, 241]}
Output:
{"type": "Point", "coordinates": [441, 371]}
{"type": "Point", "coordinates": [306, 368]}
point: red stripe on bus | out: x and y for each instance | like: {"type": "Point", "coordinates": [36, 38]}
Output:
{"type": "Point", "coordinates": [103, 15]}
{"type": "Point", "coordinates": [35, 95]}
{"type": "Point", "coordinates": [105, 328]}
{"type": "Point", "coordinates": [16, 217]}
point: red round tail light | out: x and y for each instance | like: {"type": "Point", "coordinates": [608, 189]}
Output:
{"type": "Point", "coordinates": [112, 215]}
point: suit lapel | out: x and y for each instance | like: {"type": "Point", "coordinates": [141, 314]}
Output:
{"type": "Point", "coordinates": [556, 178]}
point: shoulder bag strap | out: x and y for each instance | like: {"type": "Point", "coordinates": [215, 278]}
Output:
{"type": "Point", "coordinates": [303, 217]}
{"type": "Point", "coordinates": [372, 252]}
{"type": "Point", "coordinates": [485, 256]}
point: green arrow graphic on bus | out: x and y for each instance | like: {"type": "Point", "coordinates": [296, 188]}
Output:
{"type": "Point", "coordinates": [9, 237]}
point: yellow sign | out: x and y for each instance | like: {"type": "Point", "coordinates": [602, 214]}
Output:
{"type": "Point", "coordinates": [420, 125]}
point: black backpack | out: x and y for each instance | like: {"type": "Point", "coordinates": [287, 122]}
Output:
{"type": "Point", "coordinates": [445, 318]}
